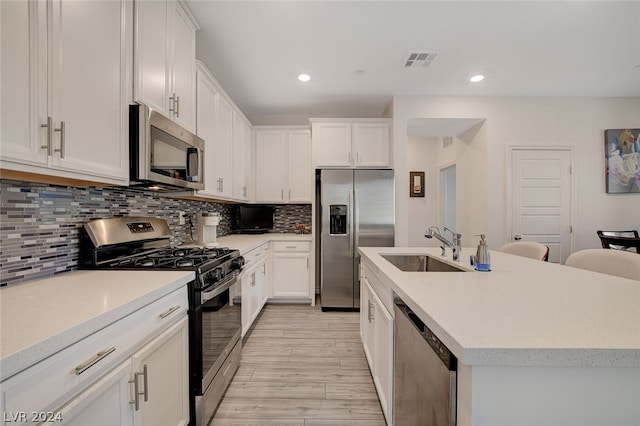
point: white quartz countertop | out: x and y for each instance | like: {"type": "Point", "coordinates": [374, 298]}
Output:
{"type": "Point", "coordinates": [246, 242]}
{"type": "Point", "coordinates": [42, 317]}
{"type": "Point", "coordinates": [523, 312]}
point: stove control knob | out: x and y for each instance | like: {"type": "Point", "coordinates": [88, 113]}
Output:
{"type": "Point", "coordinates": [218, 273]}
{"type": "Point", "coordinates": [237, 263]}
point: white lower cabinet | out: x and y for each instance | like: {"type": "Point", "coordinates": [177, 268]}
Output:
{"type": "Point", "coordinates": [291, 278]}
{"type": "Point", "coordinates": [106, 403]}
{"type": "Point", "coordinates": [376, 331]}
{"type": "Point", "coordinates": [161, 375]}
{"type": "Point", "coordinates": [151, 388]}
{"type": "Point", "coordinates": [254, 284]}
{"type": "Point", "coordinates": [94, 381]}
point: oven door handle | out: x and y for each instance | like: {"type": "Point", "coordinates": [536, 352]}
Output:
{"type": "Point", "coordinates": [208, 295]}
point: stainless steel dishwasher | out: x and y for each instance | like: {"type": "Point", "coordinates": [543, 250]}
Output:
{"type": "Point", "coordinates": [424, 371]}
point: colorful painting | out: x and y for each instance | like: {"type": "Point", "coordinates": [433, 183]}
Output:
{"type": "Point", "coordinates": [622, 153]}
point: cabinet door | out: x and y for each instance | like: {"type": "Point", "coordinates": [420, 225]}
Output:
{"type": "Point", "coordinates": [332, 144]}
{"type": "Point", "coordinates": [270, 165]}
{"type": "Point", "coordinates": [223, 148]}
{"type": "Point", "coordinates": [206, 111]}
{"type": "Point", "coordinates": [367, 321]}
{"type": "Point", "coordinates": [290, 275]}
{"type": "Point", "coordinates": [23, 79]}
{"type": "Point", "coordinates": [90, 86]}
{"type": "Point", "coordinates": [383, 355]}
{"type": "Point", "coordinates": [183, 35]}
{"type": "Point", "coordinates": [161, 369]}
{"type": "Point", "coordinates": [241, 157]}
{"type": "Point", "coordinates": [299, 170]}
{"type": "Point", "coordinates": [371, 145]}
{"type": "Point", "coordinates": [263, 284]}
{"type": "Point", "coordinates": [105, 403]}
{"type": "Point", "coordinates": [247, 285]}
{"type": "Point", "coordinates": [152, 58]}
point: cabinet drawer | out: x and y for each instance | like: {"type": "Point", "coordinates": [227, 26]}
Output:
{"type": "Point", "coordinates": [51, 382]}
{"type": "Point", "coordinates": [253, 255]}
{"type": "Point", "coordinates": [284, 246]}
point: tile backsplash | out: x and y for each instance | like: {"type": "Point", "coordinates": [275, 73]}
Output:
{"type": "Point", "coordinates": [41, 225]}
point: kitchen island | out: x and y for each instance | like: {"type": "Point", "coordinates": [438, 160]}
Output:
{"type": "Point", "coordinates": [537, 343]}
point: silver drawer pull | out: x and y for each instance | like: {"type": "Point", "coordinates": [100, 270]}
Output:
{"type": "Point", "coordinates": [291, 247]}
{"type": "Point", "coordinates": [169, 311]}
{"type": "Point", "coordinates": [136, 388]}
{"type": "Point", "coordinates": [89, 363]}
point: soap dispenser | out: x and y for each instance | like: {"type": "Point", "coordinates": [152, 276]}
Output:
{"type": "Point", "coordinates": [483, 262]}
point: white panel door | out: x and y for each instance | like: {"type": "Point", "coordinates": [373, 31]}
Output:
{"type": "Point", "coordinates": [541, 199]}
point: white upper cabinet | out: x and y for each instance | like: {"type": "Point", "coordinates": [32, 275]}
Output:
{"type": "Point", "coordinates": [300, 174]}
{"type": "Point", "coordinates": [270, 165]}
{"type": "Point", "coordinates": [66, 88]}
{"type": "Point", "coordinates": [364, 143]}
{"type": "Point", "coordinates": [241, 157]}
{"type": "Point", "coordinates": [227, 137]}
{"type": "Point", "coordinates": [164, 65]}
{"type": "Point", "coordinates": [283, 165]}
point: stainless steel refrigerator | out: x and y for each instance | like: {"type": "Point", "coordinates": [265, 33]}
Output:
{"type": "Point", "coordinates": [355, 209]}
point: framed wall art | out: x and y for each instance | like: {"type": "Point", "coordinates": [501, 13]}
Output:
{"type": "Point", "coordinates": [622, 157]}
{"type": "Point", "coordinates": [416, 184]}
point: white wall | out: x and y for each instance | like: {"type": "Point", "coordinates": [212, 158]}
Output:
{"type": "Point", "coordinates": [570, 122]}
{"type": "Point", "coordinates": [422, 156]}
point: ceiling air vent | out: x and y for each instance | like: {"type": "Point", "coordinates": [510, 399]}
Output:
{"type": "Point", "coordinates": [419, 59]}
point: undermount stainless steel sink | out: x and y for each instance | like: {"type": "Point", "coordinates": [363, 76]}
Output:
{"type": "Point", "coordinates": [419, 263]}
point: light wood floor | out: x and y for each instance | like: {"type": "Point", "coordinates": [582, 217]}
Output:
{"type": "Point", "coordinates": [302, 366]}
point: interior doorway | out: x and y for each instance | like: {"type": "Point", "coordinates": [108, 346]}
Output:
{"type": "Point", "coordinates": [541, 198]}
{"type": "Point", "coordinates": [448, 196]}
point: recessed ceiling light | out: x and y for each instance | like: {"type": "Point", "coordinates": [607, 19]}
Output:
{"type": "Point", "coordinates": [304, 77]}
{"type": "Point", "coordinates": [476, 78]}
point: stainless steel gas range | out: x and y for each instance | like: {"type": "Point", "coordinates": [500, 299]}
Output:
{"type": "Point", "coordinates": [214, 320]}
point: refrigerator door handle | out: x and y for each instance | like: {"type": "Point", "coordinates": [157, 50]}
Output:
{"type": "Point", "coordinates": [351, 217]}
{"type": "Point", "coordinates": [356, 222]}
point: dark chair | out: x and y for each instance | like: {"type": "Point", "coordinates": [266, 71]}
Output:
{"type": "Point", "coordinates": [620, 240]}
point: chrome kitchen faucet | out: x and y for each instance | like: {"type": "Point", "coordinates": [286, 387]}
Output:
{"type": "Point", "coordinates": [456, 244]}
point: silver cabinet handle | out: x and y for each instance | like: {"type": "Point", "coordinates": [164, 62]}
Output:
{"type": "Point", "coordinates": [91, 362]}
{"type": "Point", "coordinates": [289, 194]}
{"type": "Point", "coordinates": [517, 237]}
{"type": "Point", "coordinates": [169, 311]}
{"type": "Point", "coordinates": [49, 127]}
{"type": "Point", "coordinates": [173, 103]}
{"type": "Point", "coordinates": [290, 247]}
{"type": "Point", "coordinates": [282, 194]}
{"type": "Point", "coordinates": [136, 388]}
{"type": "Point", "coordinates": [62, 133]}
{"type": "Point", "coordinates": [177, 106]}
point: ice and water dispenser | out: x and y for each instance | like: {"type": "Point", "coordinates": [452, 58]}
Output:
{"type": "Point", "coordinates": [338, 219]}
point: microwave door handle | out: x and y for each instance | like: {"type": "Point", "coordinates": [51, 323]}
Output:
{"type": "Point", "coordinates": [191, 152]}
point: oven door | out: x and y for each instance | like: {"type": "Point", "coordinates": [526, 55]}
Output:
{"type": "Point", "coordinates": [220, 327]}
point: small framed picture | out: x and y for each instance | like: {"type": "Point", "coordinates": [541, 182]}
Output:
{"type": "Point", "coordinates": [416, 184]}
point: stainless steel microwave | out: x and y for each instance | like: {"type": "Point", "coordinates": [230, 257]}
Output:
{"type": "Point", "coordinates": [163, 156]}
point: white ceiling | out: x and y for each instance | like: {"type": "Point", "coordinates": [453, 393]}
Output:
{"type": "Point", "coordinates": [524, 48]}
